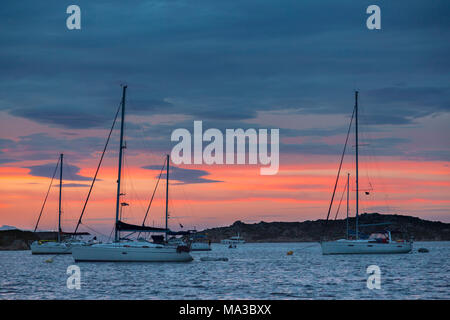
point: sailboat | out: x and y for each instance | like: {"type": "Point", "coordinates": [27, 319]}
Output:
{"type": "Point", "coordinates": [377, 243]}
{"type": "Point", "coordinates": [52, 247]}
{"type": "Point", "coordinates": [188, 238]}
{"type": "Point", "coordinates": [185, 239]}
{"type": "Point", "coordinates": [130, 250]}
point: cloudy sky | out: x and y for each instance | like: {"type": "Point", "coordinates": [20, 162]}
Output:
{"type": "Point", "coordinates": [292, 65]}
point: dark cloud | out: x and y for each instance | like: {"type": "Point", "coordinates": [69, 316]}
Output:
{"type": "Point", "coordinates": [6, 143]}
{"type": "Point", "coordinates": [414, 95]}
{"type": "Point", "coordinates": [73, 185]}
{"type": "Point", "coordinates": [387, 119]}
{"type": "Point", "coordinates": [221, 61]}
{"type": "Point", "coordinates": [3, 158]}
{"type": "Point", "coordinates": [217, 60]}
{"type": "Point", "coordinates": [42, 146]}
{"type": "Point", "coordinates": [401, 105]}
{"type": "Point", "coordinates": [184, 176]}
{"type": "Point", "coordinates": [429, 155]}
{"type": "Point", "coordinates": [70, 172]}
{"type": "Point", "coordinates": [62, 117]}
{"type": "Point", "coordinates": [149, 105]}
{"type": "Point", "coordinates": [368, 147]}
{"type": "Point", "coordinates": [6, 160]}
{"type": "Point", "coordinates": [311, 148]}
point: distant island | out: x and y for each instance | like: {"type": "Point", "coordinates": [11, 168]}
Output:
{"type": "Point", "coordinates": [307, 231]}
{"type": "Point", "coordinates": [411, 227]}
{"type": "Point", "coordinates": [12, 238]}
{"type": "Point", "coordinates": [15, 239]}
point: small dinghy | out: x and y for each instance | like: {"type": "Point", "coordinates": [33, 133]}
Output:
{"type": "Point", "coordinates": [213, 259]}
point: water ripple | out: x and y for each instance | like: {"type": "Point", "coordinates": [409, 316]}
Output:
{"type": "Point", "coordinates": [254, 271]}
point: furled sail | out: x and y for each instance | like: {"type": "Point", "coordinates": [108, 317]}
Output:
{"type": "Point", "coordinates": [122, 226]}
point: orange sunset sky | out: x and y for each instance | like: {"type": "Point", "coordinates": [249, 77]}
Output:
{"type": "Point", "coordinates": [231, 64]}
{"type": "Point", "coordinates": [300, 191]}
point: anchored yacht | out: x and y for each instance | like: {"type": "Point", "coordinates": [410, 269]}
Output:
{"type": "Point", "coordinates": [50, 246]}
{"type": "Point", "coordinates": [129, 250]}
{"type": "Point", "coordinates": [377, 243]}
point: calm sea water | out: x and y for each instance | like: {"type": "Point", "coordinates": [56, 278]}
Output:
{"type": "Point", "coordinates": [254, 271]}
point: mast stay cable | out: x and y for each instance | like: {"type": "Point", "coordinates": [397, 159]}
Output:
{"type": "Point", "coordinates": [46, 196]}
{"type": "Point", "coordinates": [98, 168]}
{"type": "Point", "coordinates": [340, 167]}
{"type": "Point", "coordinates": [153, 195]}
{"type": "Point", "coordinates": [340, 201]}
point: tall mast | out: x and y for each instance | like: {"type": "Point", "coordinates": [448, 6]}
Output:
{"type": "Point", "coordinates": [119, 174]}
{"type": "Point", "coordinates": [167, 194]}
{"type": "Point", "coordinates": [357, 185]}
{"type": "Point", "coordinates": [348, 196]}
{"type": "Point", "coordinates": [60, 193]}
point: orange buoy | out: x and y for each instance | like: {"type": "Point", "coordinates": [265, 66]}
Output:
{"type": "Point", "coordinates": [290, 253]}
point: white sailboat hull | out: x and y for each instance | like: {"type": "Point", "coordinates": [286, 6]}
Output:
{"type": "Point", "coordinates": [50, 248]}
{"type": "Point", "coordinates": [364, 247]}
{"type": "Point", "coordinates": [129, 253]}
{"type": "Point", "coordinates": [195, 246]}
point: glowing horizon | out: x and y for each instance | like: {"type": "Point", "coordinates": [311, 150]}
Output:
{"type": "Point", "coordinates": [293, 67]}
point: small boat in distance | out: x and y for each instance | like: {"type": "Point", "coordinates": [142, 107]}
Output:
{"type": "Point", "coordinates": [197, 242]}
{"type": "Point", "coordinates": [65, 241]}
{"type": "Point", "coordinates": [51, 246]}
{"type": "Point", "coordinates": [377, 243]}
{"type": "Point", "coordinates": [200, 242]}
{"type": "Point", "coordinates": [233, 240]}
{"type": "Point", "coordinates": [122, 250]}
